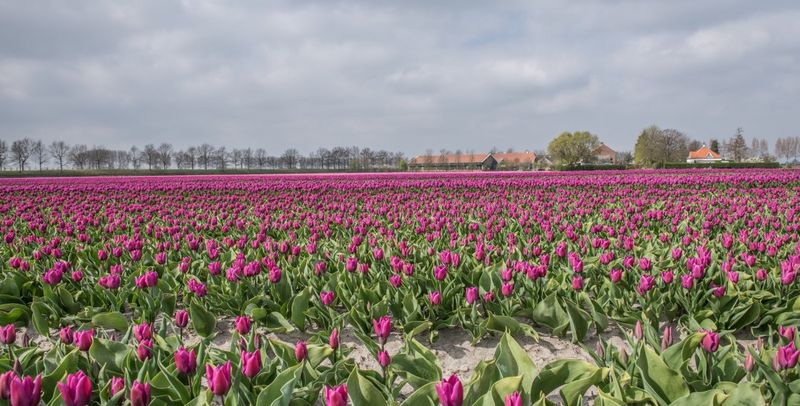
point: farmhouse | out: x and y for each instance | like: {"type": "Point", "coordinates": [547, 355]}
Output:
{"type": "Point", "coordinates": [467, 162]}
{"type": "Point", "coordinates": [603, 154]}
{"type": "Point", "coordinates": [703, 155]}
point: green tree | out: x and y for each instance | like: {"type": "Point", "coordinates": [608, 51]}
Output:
{"type": "Point", "coordinates": [655, 145]}
{"type": "Point", "coordinates": [714, 145]}
{"type": "Point", "coordinates": [571, 148]}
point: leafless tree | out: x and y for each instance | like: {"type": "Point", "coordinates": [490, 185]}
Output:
{"type": "Point", "coordinates": [59, 151]}
{"type": "Point", "coordinates": [39, 152]}
{"type": "Point", "coordinates": [205, 155]}
{"type": "Point", "coordinates": [3, 154]}
{"type": "Point", "coordinates": [21, 152]}
{"type": "Point", "coordinates": [289, 158]}
{"type": "Point", "coordinates": [165, 155]}
{"type": "Point", "coordinates": [78, 156]}
{"type": "Point", "coordinates": [191, 156]}
{"type": "Point", "coordinates": [136, 157]}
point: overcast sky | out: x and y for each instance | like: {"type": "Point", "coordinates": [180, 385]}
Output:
{"type": "Point", "coordinates": [399, 75]}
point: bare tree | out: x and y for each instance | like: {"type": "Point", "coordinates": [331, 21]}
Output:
{"type": "Point", "coordinates": [78, 156]}
{"type": "Point", "coordinates": [165, 155]}
{"type": "Point", "coordinates": [151, 156]}
{"type": "Point", "coordinates": [59, 150]}
{"type": "Point", "coordinates": [21, 152]}
{"type": "Point", "coordinates": [3, 154]}
{"type": "Point", "coordinates": [261, 158]}
{"type": "Point", "coordinates": [191, 156]}
{"type": "Point", "coordinates": [289, 158]}
{"type": "Point", "coordinates": [205, 155]}
{"type": "Point", "coordinates": [39, 152]}
{"type": "Point", "coordinates": [136, 157]}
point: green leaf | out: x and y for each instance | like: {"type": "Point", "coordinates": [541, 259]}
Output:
{"type": "Point", "coordinates": [746, 393]}
{"type": "Point", "coordinates": [424, 396]}
{"type": "Point", "coordinates": [202, 321]}
{"type": "Point", "coordinates": [279, 391]}
{"type": "Point", "coordinates": [299, 307]}
{"type": "Point", "coordinates": [505, 324]}
{"type": "Point", "coordinates": [40, 312]}
{"type": "Point", "coordinates": [664, 383]}
{"type": "Point", "coordinates": [362, 391]}
{"type": "Point", "coordinates": [111, 320]}
{"type": "Point", "coordinates": [564, 372]}
{"type": "Point", "coordinates": [513, 360]}
{"type": "Point", "coordinates": [109, 354]}
{"type": "Point", "coordinates": [502, 388]}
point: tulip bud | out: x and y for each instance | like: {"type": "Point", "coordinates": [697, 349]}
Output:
{"type": "Point", "coordinates": [599, 349]}
{"type": "Point", "coordinates": [710, 341]}
{"type": "Point", "coordinates": [300, 351]}
{"type": "Point", "coordinates": [219, 378]}
{"type": "Point", "coordinates": [181, 318]}
{"type": "Point", "coordinates": [749, 362]}
{"type": "Point", "coordinates": [336, 396]}
{"type": "Point", "coordinates": [623, 356]}
{"type": "Point", "coordinates": [140, 394]}
{"type": "Point", "coordinates": [638, 331]}
{"type": "Point", "coordinates": [243, 324]}
{"type": "Point", "coordinates": [382, 327]}
{"type": "Point", "coordinates": [144, 350]}
{"type": "Point", "coordinates": [5, 384]}
{"type": "Point", "coordinates": [76, 390]}
{"type": "Point", "coordinates": [666, 338]}
{"type": "Point", "coordinates": [25, 391]}
{"type": "Point", "coordinates": [333, 340]}
{"type": "Point", "coordinates": [83, 339]}
{"type": "Point", "coordinates": [471, 294]}
{"type": "Point", "coordinates": [142, 331]}
{"type": "Point", "coordinates": [185, 361]}
{"type": "Point", "coordinates": [8, 334]}
{"type": "Point", "coordinates": [384, 359]}
{"type": "Point", "coordinates": [450, 391]}
{"type": "Point", "coordinates": [514, 399]}
{"type": "Point", "coordinates": [251, 363]}
{"type": "Point", "coordinates": [117, 385]}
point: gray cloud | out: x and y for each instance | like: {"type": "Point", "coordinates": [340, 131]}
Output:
{"type": "Point", "coordinates": [405, 75]}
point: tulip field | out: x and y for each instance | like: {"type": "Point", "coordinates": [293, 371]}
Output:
{"type": "Point", "coordinates": [186, 290]}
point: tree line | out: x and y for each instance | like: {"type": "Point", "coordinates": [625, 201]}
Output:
{"type": "Point", "coordinates": [655, 145]}
{"type": "Point", "coordinates": [27, 154]}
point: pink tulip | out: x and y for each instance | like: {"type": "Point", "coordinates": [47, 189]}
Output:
{"type": "Point", "coordinates": [140, 394]}
{"type": "Point", "coordinates": [143, 331]}
{"type": "Point", "coordinates": [382, 327]}
{"type": "Point", "coordinates": [435, 298]}
{"type": "Point", "coordinates": [5, 384]}
{"type": "Point", "coordinates": [786, 357]}
{"type": "Point", "coordinates": [450, 391]}
{"type": "Point", "coordinates": [83, 339]}
{"type": "Point", "coordinates": [577, 282]}
{"type": "Point", "coordinates": [185, 361]}
{"type": "Point", "coordinates": [384, 359]}
{"type": "Point", "coordinates": [710, 341]}
{"type": "Point", "coordinates": [327, 297]}
{"type": "Point", "coordinates": [76, 390]}
{"type": "Point", "coordinates": [144, 350]}
{"type": "Point", "coordinates": [219, 378]}
{"type": "Point", "coordinates": [117, 385]}
{"type": "Point", "coordinates": [396, 280]}
{"type": "Point", "coordinates": [251, 363]}
{"type": "Point", "coordinates": [666, 338]}
{"type": "Point", "coordinates": [300, 351]}
{"type": "Point", "coordinates": [25, 391]}
{"type": "Point", "coordinates": [514, 399]}
{"type": "Point", "coordinates": [8, 334]}
{"type": "Point", "coordinates": [336, 396]}
{"type": "Point", "coordinates": [333, 339]}
{"type": "Point", "coordinates": [471, 294]}
{"type": "Point", "coordinates": [615, 275]}
{"type": "Point", "coordinates": [638, 331]}
{"type": "Point", "coordinates": [787, 332]}
{"type": "Point", "coordinates": [507, 289]}
{"type": "Point", "coordinates": [181, 318]}
{"type": "Point", "coordinates": [243, 324]}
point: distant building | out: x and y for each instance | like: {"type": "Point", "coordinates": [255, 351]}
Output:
{"type": "Point", "coordinates": [703, 155]}
{"type": "Point", "coordinates": [473, 162]}
{"type": "Point", "coordinates": [603, 154]}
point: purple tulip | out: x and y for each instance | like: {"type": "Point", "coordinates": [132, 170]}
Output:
{"type": "Point", "coordinates": [384, 359]}
{"type": "Point", "coordinates": [710, 341]}
{"type": "Point", "coordinates": [450, 391]}
{"type": "Point", "coordinates": [185, 361]}
{"type": "Point", "coordinates": [333, 339]}
{"type": "Point", "coordinates": [8, 334]}
{"type": "Point", "coordinates": [786, 357]}
{"type": "Point", "coordinates": [25, 391]}
{"type": "Point", "coordinates": [5, 384]}
{"type": "Point", "coordinates": [471, 294]}
{"type": "Point", "coordinates": [336, 396]}
{"type": "Point", "coordinates": [251, 363]}
{"type": "Point", "coordinates": [514, 399]}
{"type": "Point", "coordinates": [382, 327]}
{"type": "Point", "coordinates": [143, 331]}
{"type": "Point", "coordinates": [181, 318]}
{"type": "Point", "coordinates": [140, 394]}
{"type": "Point", "coordinates": [615, 275]}
{"type": "Point", "coordinates": [327, 297]}
{"type": "Point", "coordinates": [144, 350]}
{"type": "Point", "coordinates": [83, 339]}
{"type": "Point", "coordinates": [435, 297]}
{"type": "Point", "coordinates": [117, 385]}
{"type": "Point", "coordinates": [219, 378]}
{"type": "Point", "coordinates": [76, 390]}
{"type": "Point", "coordinates": [243, 324]}
{"type": "Point", "coordinates": [300, 351]}
{"type": "Point", "coordinates": [577, 282]}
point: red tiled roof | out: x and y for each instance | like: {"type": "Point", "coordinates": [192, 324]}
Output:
{"type": "Point", "coordinates": [703, 153]}
{"type": "Point", "coordinates": [450, 159]}
{"type": "Point", "coordinates": [515, 157]}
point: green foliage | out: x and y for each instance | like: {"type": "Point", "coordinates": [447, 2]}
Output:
{"type": "Point", "coordinates": [570, 148]}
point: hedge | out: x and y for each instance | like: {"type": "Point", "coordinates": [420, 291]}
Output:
{"type": "Point", "coordinates": [721, 165]}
